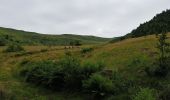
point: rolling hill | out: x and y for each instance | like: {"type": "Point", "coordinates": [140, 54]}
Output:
{"type": "Point", "coordinates": [8, 36]}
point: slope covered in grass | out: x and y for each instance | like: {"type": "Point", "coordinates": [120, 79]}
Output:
{"type": "Point", "coordinates": [8, 36]}
{"type": "Point", "coordinates": [128, 57]}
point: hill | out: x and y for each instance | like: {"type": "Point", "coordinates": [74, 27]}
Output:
{"type": "Point", "coordinates": [159, 23]}
{"type": "Point", "coordinates": [129, 58]}
{"type": "Point", "coordinates": [8, 36]}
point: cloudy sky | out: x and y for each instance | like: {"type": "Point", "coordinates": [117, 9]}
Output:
{"type": "Point", "coordinates": [105, 18]}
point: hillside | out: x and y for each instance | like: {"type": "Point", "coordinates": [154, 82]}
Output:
{"type": "Point", "coordinates": [8, 36]}
{"type": "Point", "coordinates": [159, 23]}
{"type": "Point", "coordinates": [128, 57]}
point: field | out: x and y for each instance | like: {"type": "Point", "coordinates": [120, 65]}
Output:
{"type": "Point", "coordinates": [129, 57]}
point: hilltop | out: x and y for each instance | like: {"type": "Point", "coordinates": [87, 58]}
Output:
{"type": "Point", "coordinates": [8, 36]}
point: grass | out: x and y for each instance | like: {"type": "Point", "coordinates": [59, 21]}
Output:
{"type": "Point", "coordinates": [9, 36]}
{"type": "Point", "coordinates": [129, 57]}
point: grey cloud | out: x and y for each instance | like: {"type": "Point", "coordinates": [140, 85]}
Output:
{"type": "Point", "coordinates": [106, 18]}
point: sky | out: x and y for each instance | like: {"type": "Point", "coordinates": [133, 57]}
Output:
{"type": "Point", "coordinates": [104, 18]}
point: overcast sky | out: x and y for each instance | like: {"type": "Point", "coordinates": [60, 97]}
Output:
{"type": "Point", "coordinates": [104, 18]}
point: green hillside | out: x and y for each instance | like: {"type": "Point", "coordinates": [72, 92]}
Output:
{"type": "Point", "coordinates": [159, 23]}
{"type": "Point", "coordinates": [8, 36]}
{"type": "Point", "coordinates": [127, 58]}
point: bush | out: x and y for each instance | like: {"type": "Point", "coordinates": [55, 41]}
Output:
{"type": "Point", "coordinates": [14, 48]}
{"type": "Point", "coordinates": [145, 94]}
{"type": "Point", "coordinates": [165, 94]}
{"type": "Point", "coordinates": [72, 75]}
{"type": "Point", "coordinates": [89, 68]}
{"type": "Point", "coordinates": [157, 71]}
{"type": "Point", "coordinates": [45, 73]}
{"type": "Point", "coordinates": [2, 42]}
{"type": "Point", "coordinates": [6, 95]}
{"type": "Point", "coordinates": [56, 75]}
{"type": "Point", "coordinates": [86, 50]}
{"type": "Point", "coordinates": [98, 85]}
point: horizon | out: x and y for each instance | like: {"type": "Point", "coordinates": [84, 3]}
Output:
{"type": "Point", "coordinates": [107, 19]}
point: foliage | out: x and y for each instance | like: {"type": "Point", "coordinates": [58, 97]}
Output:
{"type": "Point", "coordinates": [14, 48]}
{"type": "Point", "coordinates": [145, 94]}
{"type": "Point", "coordinates": [160, 23]}
{"type": "Point", "coordinates": [32, 38]}
{"type": "Point", "coordinates": [56, 75]}
{"type": "Point", "coordinates": [2, 42]}
{"type": "Point", "coordinates": [98, 85]}
{"type": "Point", "coordinates": [71, 67]}
{"type": "Point", "coordinates": [89, 68]}
{"type": "Point", "coordinates": [75, 43]}
{"type": "Point", "coordinates": [6, 95]}
{"type": "Point", "coordinates": [86, 50]}
{"type": "Point", "coordinates": [165, 94]}
{"type": "Point", "coordinates": [157, 25]}
{"type": "Point", "coordinates": [41, 73]}
{"type": "Point", "coordinates": [162, 64]}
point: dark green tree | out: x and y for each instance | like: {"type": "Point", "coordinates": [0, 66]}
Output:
{"type": "Point", "coordinates": [164, 54]}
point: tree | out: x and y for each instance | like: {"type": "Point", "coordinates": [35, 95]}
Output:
{"type": "Point", "coordinates": [164, 54]}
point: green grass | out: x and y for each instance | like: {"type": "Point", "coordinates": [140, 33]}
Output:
{"type": "Point", "coordinates": [32, 38]}
{"type": "Point", "coordinates": [128, 57]}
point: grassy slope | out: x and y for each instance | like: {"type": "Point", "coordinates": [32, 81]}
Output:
{"type": "Point", "coordinates": [128, 56]}
{"type": "Point", "coordinates": [31, 38]}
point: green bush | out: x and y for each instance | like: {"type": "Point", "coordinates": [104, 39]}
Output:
{"type": "Point", "coordinates": [98, 85]}
{"type": "Point", "coordinates": [45, 73]}
{"type": "Point", "coordinates": [89, 68]}
{"type": "Point", "coordinates": [120, 84]}
{"type": "Point", "coordinates": [86, 50]}
{"type": "Point", "coordinates": [165, 94]}
{"type": "Point", "coordinates": [72, 76]}
{"type": "Point", "coordinates": [6, 95]}
{"type": "Point", "coordinates": [64, 74]}
{"type": "Point", "coordinates": [145, 94]}
{"type": "Point", "coordinates": [2, 42]}
{"type": "Point", "coordinates": [14, 48]}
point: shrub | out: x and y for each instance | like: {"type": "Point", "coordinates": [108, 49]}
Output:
{"type": "Point", "coordinates": [56, 75]}
{"type": "Point", "coordinates": [45, 73]}
{"type": "Point", "coordinates": [98, 84]}
{"type": "Point", "coordinates": [2, 42]}
{"type": "Point", "coordinates": [89, 68]}
{"type": "Point", "coordinates": [164, 53]}
{"type": "Point", "coordinates": [86, 50]}
{"type": "Point", "coordinates": [71, 68]}
{"type": "Point", "coordinates": [6, 95]}
{"type": "Point", "coordinates": [14, 48]}
{"type": "Point", "coordinates": [165, 94]}
{"type": "Point", "coordinates": [120, 84]}
{"type": "Point", "coordinates": [145, 94]}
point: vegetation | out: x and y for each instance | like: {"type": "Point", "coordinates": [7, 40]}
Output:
{"type": "Point", "coordinates": [14, 48]}
{"type": "Point", "coordinates": [131, 69]}
{"type": "Point", "coordinates": [86, 50]}
{"type": "Point", "coordinates": [31, 38]}
{"type": "Point", "coordinates": [157, 25]}
{"type": "Point", "coordinates": [160, 23]}
{"type": "Point", "coordinates": [145, 94]}
{"type": "Point", "coordinates": [162, 63]}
